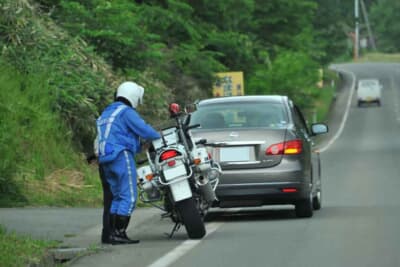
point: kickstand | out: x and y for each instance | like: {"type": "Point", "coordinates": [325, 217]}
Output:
{"type": "Point", "coordinates": [165, 215]}
{"type": "Point", "coordinates": [175, 229]}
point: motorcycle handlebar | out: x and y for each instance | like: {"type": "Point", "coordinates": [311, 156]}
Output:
{"type": "Point", "coordinates": [201, 142]}
{"type": "Point", "coordinates": [192, 126]}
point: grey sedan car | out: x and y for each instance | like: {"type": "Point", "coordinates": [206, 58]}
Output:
{"type": "Point", "coordinates": [265, 150]}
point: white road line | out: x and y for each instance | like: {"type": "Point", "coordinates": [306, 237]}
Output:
{"type": "Point", "coordinates": [346, 114]}
{"type": "Point", "coordinates": [183, 248]}
{"type": "Point", "coordinates": [395, 98]}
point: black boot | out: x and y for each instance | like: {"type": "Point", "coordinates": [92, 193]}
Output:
{"type": "Point", "coordinates": [118, 234]}
{"type": "Point", "coordinates": [105, 236]}
{"type": "Point", "coordinates": [107, 229]}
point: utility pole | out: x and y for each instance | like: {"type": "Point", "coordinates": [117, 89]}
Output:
{"type": "Point", "coordinates": [371, 36]}
{"type": "Point", "coordinates": [357, 30]}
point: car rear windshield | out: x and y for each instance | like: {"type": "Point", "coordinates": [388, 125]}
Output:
{"type": "Point", "coordinates": [369, 83]}
{"type": "Point", "coordinates": [240, 115]}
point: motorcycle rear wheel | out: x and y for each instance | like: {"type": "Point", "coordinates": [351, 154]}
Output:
{"type": "Point", "coordinates": [191, 218]}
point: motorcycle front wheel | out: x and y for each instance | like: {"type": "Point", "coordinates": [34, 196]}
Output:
{"type": "Point", "coordinates": [191, 218]}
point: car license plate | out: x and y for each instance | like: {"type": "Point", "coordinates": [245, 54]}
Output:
{"type": "Point", "coordinates": [241, 153]}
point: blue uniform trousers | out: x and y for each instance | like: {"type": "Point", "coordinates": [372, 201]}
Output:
{"type": "Point", "coordinates": [121, 175]}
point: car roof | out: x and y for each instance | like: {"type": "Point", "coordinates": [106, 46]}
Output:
{"type": "Point", "coordinates": [252, 98]}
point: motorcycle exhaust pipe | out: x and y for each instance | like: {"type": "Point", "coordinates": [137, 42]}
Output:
{"type": "Point", "coordinates": [206, 190]}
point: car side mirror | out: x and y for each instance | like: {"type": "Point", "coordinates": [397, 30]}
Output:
{"type": "Point", "coordinates": [319, 128]}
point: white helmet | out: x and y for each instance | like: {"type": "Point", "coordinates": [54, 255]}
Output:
{"type": "Point", "coordinates": [131, 92]}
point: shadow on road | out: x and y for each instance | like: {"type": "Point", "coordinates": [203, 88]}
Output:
{"type": "Point", "coordinates": [251, 214]}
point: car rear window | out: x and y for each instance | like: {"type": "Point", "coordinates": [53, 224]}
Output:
{"type": "Point", "coordinates": [369, 83]}
{"type": "Point", "coordinates": [240, 115]}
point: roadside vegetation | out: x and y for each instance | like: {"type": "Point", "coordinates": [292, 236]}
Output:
{"type": "Point", "coordinates": [18, 250]}
{"type": "Point", "coordinates": [37, 147]}
{"type": "Point", "coordinates": [380, 57]}
{"type": "Point", "coordinates": [326, 97]}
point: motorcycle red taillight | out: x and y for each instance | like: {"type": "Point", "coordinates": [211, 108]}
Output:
{"type": "Point", "coordinates": [168, 154]}
{"type": "Point", "coordinates": [292, 147]}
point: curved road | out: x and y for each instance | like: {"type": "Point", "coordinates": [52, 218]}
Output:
{"type": "Point", "coordinates": [358, 225]}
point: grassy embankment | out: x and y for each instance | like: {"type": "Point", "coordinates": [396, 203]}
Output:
{"type": "Point", "coordinates": [380, 57]}
{"type": "Point", "coordinates": [325, 96]}
{"type": "Point", "coordinates": [17, 250]}
{"type": "Point", "coordinates": [36, 149]}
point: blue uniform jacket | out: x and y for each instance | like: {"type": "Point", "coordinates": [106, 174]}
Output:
{"type": "Point", "coordinates": [119, 128]}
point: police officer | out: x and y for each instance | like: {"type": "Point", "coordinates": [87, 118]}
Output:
{"type": "Point", "coordinates": [119, 129]}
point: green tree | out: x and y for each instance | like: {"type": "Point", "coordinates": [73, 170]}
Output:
{"type": "Point", "coordinates": [114, 29]}
{"type": "Point", "coordinates": [333, 25]}
{"type": "Point", "coordinates": [293, 74]}
{"type": "Point", "coordinates": [228, 15]}
{"type": "Point", "coordinates": [280, 22]}
{"type": "Point", "coordinates": [385, 20]}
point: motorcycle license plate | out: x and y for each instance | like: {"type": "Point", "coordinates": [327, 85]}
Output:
{"type": "Point", "coordinates": [175, 172]}
{"type": "Point", "coordinates": [180, 190]}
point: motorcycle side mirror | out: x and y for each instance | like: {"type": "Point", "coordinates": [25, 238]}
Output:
{"type": "Point", "coordinates": [174, 109]}
{"type": "Point", "coordinates": [189, 108]}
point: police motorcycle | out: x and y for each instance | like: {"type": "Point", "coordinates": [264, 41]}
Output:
{"type": "Point", "coordinates": [180, 178]}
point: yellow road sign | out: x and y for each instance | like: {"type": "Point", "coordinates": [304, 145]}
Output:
{"type": "Point", "coordinates": [229, 84]}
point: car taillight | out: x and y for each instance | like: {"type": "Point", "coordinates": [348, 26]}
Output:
{"type": "Point", "coordinates": [168, 154]}
{"type": "Point", "coordinates": [292, 147]}
{"type": "Point", "coordinates": [275, 149]}
{"type": "Point", "coordinates": [289, 190]}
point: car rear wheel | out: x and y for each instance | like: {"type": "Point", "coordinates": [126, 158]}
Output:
{"type": "Point", "coordinates": [304, 208]}
{"type": "Point", "coordinates": [316, 202]}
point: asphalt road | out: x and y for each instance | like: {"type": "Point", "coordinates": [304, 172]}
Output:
{"type": "Point", "coordinates": [358, 225]}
